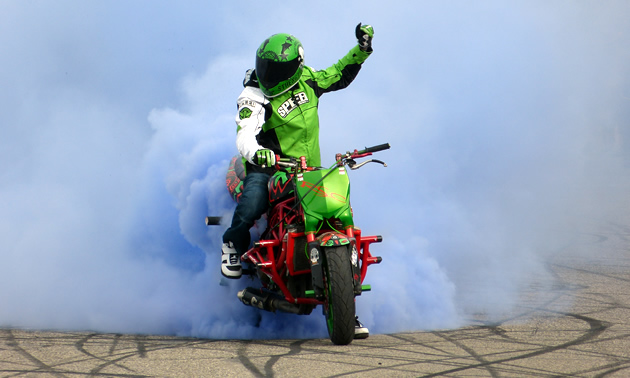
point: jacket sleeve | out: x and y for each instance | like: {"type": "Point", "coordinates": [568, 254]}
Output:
{"type": "Point", "coordinates": [249, 120]}
{"type": "Point", "coordinates": [340, 74]}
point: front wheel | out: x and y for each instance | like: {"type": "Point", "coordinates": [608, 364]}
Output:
{"type": "Point", "coordinates": [339, 307]}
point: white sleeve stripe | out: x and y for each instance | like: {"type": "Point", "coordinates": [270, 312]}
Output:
{"type": "Point", "coordinates": [251, 126]}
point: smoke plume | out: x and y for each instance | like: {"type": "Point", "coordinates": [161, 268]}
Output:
{"type": "Point", "coordinates": [508, 125]}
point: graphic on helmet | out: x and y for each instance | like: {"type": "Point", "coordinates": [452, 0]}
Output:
{"type": "Point", "coordinates": [279, 64]}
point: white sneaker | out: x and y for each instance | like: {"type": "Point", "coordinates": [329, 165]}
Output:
{"type": "Point", "coordinates": [360, 331]}
{"type": "Point", "coordinates": [230, 262]}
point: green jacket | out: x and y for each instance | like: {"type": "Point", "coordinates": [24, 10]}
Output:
{"type": "Point", "coordinates": [289, 123]}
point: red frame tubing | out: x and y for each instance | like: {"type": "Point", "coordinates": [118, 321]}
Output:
{"type": "Point", "coordinates": [366, 258]}
{"type": "Point", "coordinates": [263, 256]}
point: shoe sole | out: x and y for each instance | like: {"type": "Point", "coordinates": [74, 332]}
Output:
{"type": "Point", "coordinates": [360, 336]}
{"type": "Point", "coordinates": [231, 275]}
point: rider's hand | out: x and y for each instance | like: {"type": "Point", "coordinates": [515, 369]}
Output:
{"type": "Point", "coordinates": [264, 158]}
{"type": "Point", "coordinates": [364, 36]}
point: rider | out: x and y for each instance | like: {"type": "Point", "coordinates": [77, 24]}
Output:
{"type": "Point", "coordinates": [277, 115]}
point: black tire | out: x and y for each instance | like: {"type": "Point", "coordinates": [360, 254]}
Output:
{"type": "Point", "coordinates": [339, 308]}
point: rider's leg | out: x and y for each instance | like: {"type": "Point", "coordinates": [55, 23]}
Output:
{"type": "Point", "coordinates": [253, 203]}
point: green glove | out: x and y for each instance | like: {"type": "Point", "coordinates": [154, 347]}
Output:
{"type": "Point", "coordinates": [364, 36]}
{"type": "Point", "coordinates": [265, 158]}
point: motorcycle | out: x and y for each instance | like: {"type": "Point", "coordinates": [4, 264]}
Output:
{"type": "Point", "coordinates": [311, 252]}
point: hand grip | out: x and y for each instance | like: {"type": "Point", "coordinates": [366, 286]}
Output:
{"type": "Point", "coordinates": [380, 147]}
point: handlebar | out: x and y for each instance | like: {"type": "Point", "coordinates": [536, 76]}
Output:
{"type": "Point", "coordinates": [347, 158]}
{"type": "Point", "coordinates": [380, 147]}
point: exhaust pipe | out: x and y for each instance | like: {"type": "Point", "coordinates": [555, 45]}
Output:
{"type": "Point", "coordinates": [213, 221]}
{"type": "Point", "coordinates": [266, 301]}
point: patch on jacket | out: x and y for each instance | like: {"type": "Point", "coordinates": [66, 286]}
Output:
{"type": "Point", "coordinates": [244, 113]}
{"type": "Point", "coordinates": [292, 103]}
{"type": "Point", "coordinates": [244, 106]}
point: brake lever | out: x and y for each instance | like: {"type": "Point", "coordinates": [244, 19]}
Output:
{"type": "Point", "coordinates": [357, 166]}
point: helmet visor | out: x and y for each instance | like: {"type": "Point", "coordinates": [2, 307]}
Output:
{"type": "Point", "coordinates": [270, 73]}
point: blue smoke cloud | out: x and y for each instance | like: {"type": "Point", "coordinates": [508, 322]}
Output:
{"type": "Point", "coordinates": [507, 125]}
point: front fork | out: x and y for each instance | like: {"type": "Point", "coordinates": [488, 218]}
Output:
{"type": "Point", "coordinates": [317, 259]}
{"type": "Point", "coordinates": [317, 269]}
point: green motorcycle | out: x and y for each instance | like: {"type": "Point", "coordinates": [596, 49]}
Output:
{"type": "Point", "coordinates": [311, 252]}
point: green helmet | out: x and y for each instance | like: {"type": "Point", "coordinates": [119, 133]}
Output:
{"type": "Point", "coordinates": [279, 64]}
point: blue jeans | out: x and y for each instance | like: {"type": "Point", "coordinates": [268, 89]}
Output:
{"type": "Point", "coordinates": [253, 203]}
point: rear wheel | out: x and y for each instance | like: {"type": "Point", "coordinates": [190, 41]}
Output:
{"type": "Point", "coordinates": [339, 307]}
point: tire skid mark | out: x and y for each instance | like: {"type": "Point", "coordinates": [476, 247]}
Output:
{"type": "Point", "coordinates": [413, 342]}
{"type": "Point", "coordinates": [141, 352]}
{"type": "Point", "coordinates": [622, 229]}
{"type": "Point", "coordinates": [400, 363]}
{"type": "Point", "coordinates": [384, 370]}
{"type": "Point", "coordinates": [244, 359]}
{"type": "Point", "coordinates": [596, 328]}
{"type": "Point", "coordinates": [96, 371]}
{"type": "Point", "coordinates": [41, 366]}
{"type": "Point", "coordinates": [582, 270]}
{"type": "Point", "coordinates": [358, 368]}
{"type": "Point", "coordinates": [615, 368]}
{"type": "Point", "coordinates": [294, 349]}
{"type": "Point", "coordinates": [112, 348]}
{"type": "Point", "coordinates": [141, 345]}
{"type": "Point", "coordinates": [599, 238]}
{"type": "Point", "coordinates": [482, 362]}
{"type": "Point", "coordinates": [80, 346]}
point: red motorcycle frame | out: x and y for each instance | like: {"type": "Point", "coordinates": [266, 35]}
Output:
{"type": "Point", "coordinates": [311, 252]}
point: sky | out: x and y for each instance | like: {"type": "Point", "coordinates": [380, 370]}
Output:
{"type": "Point", "coordinates": [508, 123]}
